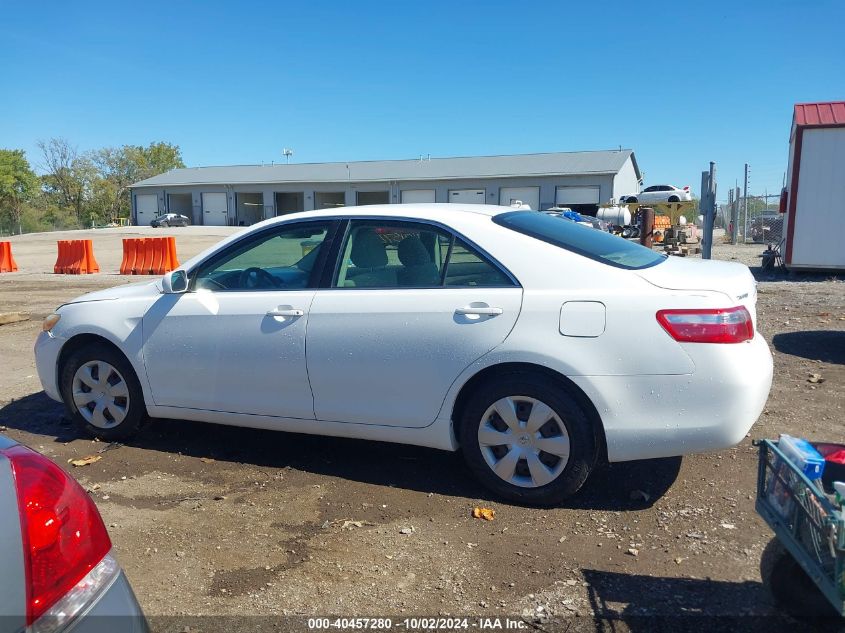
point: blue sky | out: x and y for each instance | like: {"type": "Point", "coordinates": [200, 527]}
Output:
{"type": "Point", "coordinates": [680, 83]}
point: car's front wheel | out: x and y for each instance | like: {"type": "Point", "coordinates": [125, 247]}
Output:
{"type": "Point", "coordinates": [101, 392]}
{"type": "Point", "coordinates": [527, 439]}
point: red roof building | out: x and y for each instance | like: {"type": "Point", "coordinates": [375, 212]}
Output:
{"type": "Point", "coordinates": [815, 188]}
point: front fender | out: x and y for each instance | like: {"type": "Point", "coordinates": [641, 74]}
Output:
{"type": "Point", "coordinates": [118, 322]}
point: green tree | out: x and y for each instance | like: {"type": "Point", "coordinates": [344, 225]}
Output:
{"type": "Point", "coordinates": [154, 159]}
{"type": "Point", "coordinates": [67, 174]}
{"type": "Point", "coordinates": [119, 167]}
{"type": "Point", "coordinates": [18, 185]}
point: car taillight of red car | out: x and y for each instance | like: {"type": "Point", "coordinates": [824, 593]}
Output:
{"type": "Point", "coordinates": [66, 545]}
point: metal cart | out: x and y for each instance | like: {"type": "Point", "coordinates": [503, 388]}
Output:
{"type": "Point", "coordinates": [810, 534]}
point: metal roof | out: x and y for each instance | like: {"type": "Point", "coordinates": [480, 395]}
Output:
{"type": "Point", "coordinates": [472, 167]}
{"type": "Point", "coordinates": [829, 113]}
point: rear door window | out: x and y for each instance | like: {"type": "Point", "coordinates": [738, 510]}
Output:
{"type": "Point", "coordinates": [399, 254]}
{"type": "Point", "coordinates": [582, 240]}
{"type": "Point", "coordinates": [465, 267]}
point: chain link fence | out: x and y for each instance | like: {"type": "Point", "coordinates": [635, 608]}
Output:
{"type": "Point", "coordinates": [755, 219]}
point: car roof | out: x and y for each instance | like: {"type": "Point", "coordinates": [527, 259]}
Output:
{"type": "Point", "coordinates": [437, 211]}
{"type": "Point", "coordinates": [453, 215]}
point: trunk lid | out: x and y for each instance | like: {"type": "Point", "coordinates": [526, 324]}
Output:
{"type": "Point", "coordinates": [732, 279]}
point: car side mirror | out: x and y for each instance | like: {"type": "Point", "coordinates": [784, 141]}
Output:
{"type": "Point", "coordinates": [175, 283]}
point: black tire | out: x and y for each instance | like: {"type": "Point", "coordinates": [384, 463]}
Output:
{"type": "Point", "coordinates": [792, 589]}
{"type": "Point", "coordinates": [582, 451]}
{"type": "Point", "coordinates": [136, 413]}
{"type": "Point", "coordinates": [674, 199]}
{"type": "Point", "coordinates": [631, 199]}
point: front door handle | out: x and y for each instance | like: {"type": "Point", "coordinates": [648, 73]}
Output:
{"type": "Point", "coordinates": [485, 311]}
{"type": "Point", "coordinates": [285, 312]}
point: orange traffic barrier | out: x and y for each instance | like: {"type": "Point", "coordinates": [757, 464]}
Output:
{"type": "Point", "coordinates": [75, 257]}
{"type": "Point", "coordinates": [172, 260]}
{"type": "Point", "coordinates": [130, 253]}
{"type": "Point", "coordinates": [145, 258]}
{"type": "Point", "coordinates": [90, 261]}
{"type": "Point", "coordinates": [149, 256]}
{"type": "Point", "coordinates": [7, 261]}
{"type": "Point", "coordinates": [59, 267]}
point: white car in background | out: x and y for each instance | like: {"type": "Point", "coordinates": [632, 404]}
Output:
{"type": "Point", "coordinates": [537, 347]}
{"type": "Point", "coordinates": [660, 193]}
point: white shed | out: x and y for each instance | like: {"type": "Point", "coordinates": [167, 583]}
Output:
{"type": "Point", "coordinates": [814, 198]}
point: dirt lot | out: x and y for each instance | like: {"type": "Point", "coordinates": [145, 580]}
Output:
{"type": "Point", "coordinates": [209, 520]}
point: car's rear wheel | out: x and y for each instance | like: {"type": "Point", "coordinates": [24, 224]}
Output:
{"type": "Point", "coordinates": [527, 439]}
{"type": "Point", "coordinates": [101, 392]}
{"type": "Point", "coordinates": [674, 199]}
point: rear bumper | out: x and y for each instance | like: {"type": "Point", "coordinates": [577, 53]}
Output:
{"type": "Point", "coordinates": [647, 417]}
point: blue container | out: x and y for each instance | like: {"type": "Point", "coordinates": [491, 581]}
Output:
{"type": "Point", "coordinates": [803, 455]}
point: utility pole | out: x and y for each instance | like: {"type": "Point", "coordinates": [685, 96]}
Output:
{"type": "Point", "coordinates": [735, 216]}
{"type": "Point", "coordinates": [745, 204]}
{"type": "Point", "coordinates": [732, 220]}
{"type": "Point", "coordinates": [708, 209]}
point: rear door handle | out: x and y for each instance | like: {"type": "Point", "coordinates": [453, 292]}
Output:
{"type": "Point", "coordinates": [487, 311]}
{"type": "Point", "coordinates": [285, 312]}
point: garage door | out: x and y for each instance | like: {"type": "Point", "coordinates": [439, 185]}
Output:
{"type": "Point", "coordinates": [526, 195]}
{"type": "Point", "coordinates": [576, 195]}
{"type": "Point", "coordinates": [215, 210]}
{"type": "Point", "coordinates": [467, 196]}
{"type": "Point", "coordinates": [146, 208]}
{"type": "Point", "coordinates": [417, 195]}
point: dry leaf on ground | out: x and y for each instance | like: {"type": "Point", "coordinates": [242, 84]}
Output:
{"type": "Point", "coordinates": [85, 460]}
{"type": "Point", "coordinates": [487, 514]}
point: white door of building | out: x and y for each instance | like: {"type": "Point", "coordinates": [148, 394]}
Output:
{"type": "Point", "coordinates": [565, 196]}
{"type": "Point", "coordinates": [417, 195]}
{"type": "Point", "coordinates": [215, 209]}
{"type": "Point", "coordinates": [526, 195]}
{"type": "Point", "coordinates": [146, 208]}
{"type": "Point", "coordinates": [467, 196]}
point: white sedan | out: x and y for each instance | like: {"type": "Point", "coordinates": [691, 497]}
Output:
{"type": "Point", "coordinates": [660, 193]}
{"type": "Point", "coordinates": [540, 348]}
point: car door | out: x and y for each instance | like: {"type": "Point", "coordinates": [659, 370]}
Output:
{"type": "Point", "coordinates": [235, 342]}
{"type": "Point", "coordinates": [649, 194]}
{"type": "Point", "coordinates": [409, 307]}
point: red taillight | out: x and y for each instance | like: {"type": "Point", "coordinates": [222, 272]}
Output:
{"type": "Point", "coordinates": [729, 325]}
{"type": "Point", "coordinates": [686, 188]}
{"type": "Point", "coordinates": [63, 534]}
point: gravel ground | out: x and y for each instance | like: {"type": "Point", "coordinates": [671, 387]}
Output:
{"type": "Point", "coordinates": [210, 520]}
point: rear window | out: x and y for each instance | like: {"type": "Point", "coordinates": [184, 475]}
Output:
{"type": "Point", "coordinates": [583, 240]}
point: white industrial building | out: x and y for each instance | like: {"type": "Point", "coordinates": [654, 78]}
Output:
{"type": "Point", "coordinates": [245, 194]}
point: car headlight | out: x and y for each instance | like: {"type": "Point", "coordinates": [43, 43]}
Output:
{"type": "Point", "coordinates": [50, 322]}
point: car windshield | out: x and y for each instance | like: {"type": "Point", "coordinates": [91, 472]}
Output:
{"type": "Point", "coordinates": [583, 240]}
